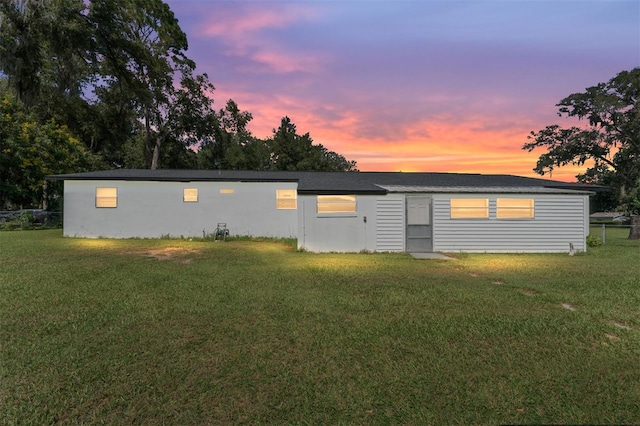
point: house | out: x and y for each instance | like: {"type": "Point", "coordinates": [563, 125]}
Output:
{"type": "Point", "coordinates": [333, 211]}
{"type": "Point", "coordinates": [604, 216]}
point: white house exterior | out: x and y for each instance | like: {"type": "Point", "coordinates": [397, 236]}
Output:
{"type": "Point", "coordinates": [333, 211]}
{"type": "Point", "coordinates": [154, 209]}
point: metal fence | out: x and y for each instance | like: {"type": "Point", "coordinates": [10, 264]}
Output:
{"type": "Point", "coordinates": [612, 230]}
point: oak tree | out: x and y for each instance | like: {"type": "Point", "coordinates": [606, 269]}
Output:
{"type": "Point", "coordinates": [608, 134]}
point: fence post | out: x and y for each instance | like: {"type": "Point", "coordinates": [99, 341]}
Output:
{"type": "Point", "coordinates": [604, 234]}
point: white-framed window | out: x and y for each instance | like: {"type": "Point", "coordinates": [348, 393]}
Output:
{"type": "Point", "coordinates": [469, 208]}
{"type": "Point", "coordinates": [190, 195]}
{"type": "Point", "coordinates": [336, 203]}
{"type": "Point", "coordinates": [515, 208]}
{"type": "Point", "coordinates": [106, 197]}
{"type": "Point", "coordinates": [286, 199]}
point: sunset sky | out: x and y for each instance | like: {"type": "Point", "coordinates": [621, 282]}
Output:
{"type": "Point", "coordinates": [447, 86]}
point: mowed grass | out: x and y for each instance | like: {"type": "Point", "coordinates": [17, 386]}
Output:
{"type": "Point", "coordinates": [197, 332]}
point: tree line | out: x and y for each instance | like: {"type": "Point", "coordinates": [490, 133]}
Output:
{"type": "Point", "coordinates": [88, 85]}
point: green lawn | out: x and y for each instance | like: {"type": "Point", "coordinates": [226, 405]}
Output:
{"type": "Point", "coordinates": [197, 332]}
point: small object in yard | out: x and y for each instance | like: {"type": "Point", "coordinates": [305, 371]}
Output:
{"type": "Point", "coordinates": [221, 232]}
{"type": "Point", "coordinates": [572, 251]}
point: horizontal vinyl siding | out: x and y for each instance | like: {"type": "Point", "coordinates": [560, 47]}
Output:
{"type": "Point", "coordinates": [390, 224]}
{"type": "Point", "coordinates": [559, 220]}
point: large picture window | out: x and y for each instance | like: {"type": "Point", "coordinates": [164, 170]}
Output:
{"type": "Point", "coordinates": [469, 208]}
{"type": "Point", "coordinates": [515, 208]}
{"type": "Point", "coordinates": [106, 197]}
{"type": "Point", "coordinates": [336, 203]}
{"type": "Point", "coordinates": [286, 199]}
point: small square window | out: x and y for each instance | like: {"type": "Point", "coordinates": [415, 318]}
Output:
{"type": "Point", "coordinates": [106, 197]}
{"type": "Point", "coordinates": [190, 195]}
{"type": "Point", "coordinates": [286, 199]}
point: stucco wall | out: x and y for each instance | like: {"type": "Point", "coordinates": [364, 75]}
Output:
{"type": "Point", "coordinates": [337, 232]}
{"type": "Point", "coordinates": [155, 209]}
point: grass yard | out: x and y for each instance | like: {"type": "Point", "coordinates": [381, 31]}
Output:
{"type": "Point", "coordinates": [196, 332]}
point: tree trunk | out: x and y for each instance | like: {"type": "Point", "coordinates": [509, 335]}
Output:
{"type": "Point", "coordinates": [148, 149]}
{"type": "Point", "coordinates": [634, 233]}
{"type": "Point", "coordinates": [156, 154]}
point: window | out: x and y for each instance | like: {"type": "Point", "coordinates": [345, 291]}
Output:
{"type": "Point", "coordinates": [515, 208]}
{"type": "Point", "coordinates": [227, 191]}
{"type": "Point", "coordinates": [106, 197]}
{"type": "Point", "coordinates": [336, 203]}
{"type": "Point", "coordinates": [286, 199]}
{"type": "Point", "coordinates": [190, 195]}
{"type": "Point", "coordinates": [469, 208]}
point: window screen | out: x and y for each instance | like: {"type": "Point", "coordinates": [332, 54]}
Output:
{"type": "Point", "coordinates": [469, 208]}
{"type": "Point", "coordinates": [106, 197]}
{"type": "Point", "coordinates": [515, 208]}
{"type": "Point", "coordinates": [286, 199]}
{"type": "Point", "coordinates": [190, 195]}
{"type": "Point", "coordinates": [336, 203]}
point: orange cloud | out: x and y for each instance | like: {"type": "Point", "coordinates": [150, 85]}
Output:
{"type": "Point", "coordinates": [440, 143]}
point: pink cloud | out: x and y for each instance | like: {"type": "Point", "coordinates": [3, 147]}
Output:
{"type": "Point", "coordinates": [249, 32]}
{"type": "Point", "coordinates": [282, 62]}
{"type": "Point", "coordinates": [241, 22]}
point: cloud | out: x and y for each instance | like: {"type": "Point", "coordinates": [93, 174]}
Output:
{"type": "Point", "coordinates": [446, 86]}
{"type": "Point", "coordinates": [257, 33]}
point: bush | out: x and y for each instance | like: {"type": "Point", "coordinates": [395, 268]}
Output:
{"type": "Point", "coordinates": [29, 219]}
{"type": "Point", "coordinates": [25, 220]}
{"type": "Point", "coordinates": [593, 241]}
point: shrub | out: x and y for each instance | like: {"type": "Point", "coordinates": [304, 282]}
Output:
{"type": "Point", "coordinates": [593, 241]}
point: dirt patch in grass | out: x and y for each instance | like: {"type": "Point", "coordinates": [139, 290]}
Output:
{"type": "Point", "coordinates": [175, 254]}
{"type": "Point", "coordinates": [621, 325]}
{"type": "Point", "coordinates": [612, 337]}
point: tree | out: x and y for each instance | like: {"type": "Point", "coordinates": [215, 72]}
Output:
{"type": "Point", "coordinates": [231, 144]}
{"type": "Point", "coordinates": [29, 152]}
{"type": "Point", "coordinates": [115, 73]}
{"type": "Point", "coordinates": [45, 53]}
{"type": "Point", "coordinates": [290, 151]}
{"type": "Point", "coordinates": [141, 49]}
{"type": "Point", "coordinates": [610, 138]}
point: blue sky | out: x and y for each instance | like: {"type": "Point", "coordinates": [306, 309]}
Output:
{"type": "Point", "coordinates": [411, 85]}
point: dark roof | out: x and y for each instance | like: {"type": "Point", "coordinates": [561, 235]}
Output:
{"type": "Point", "coordinates": [334, 182]}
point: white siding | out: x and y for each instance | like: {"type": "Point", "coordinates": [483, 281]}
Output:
{"type": "Point", "coordinates": [390, 223]}
{"type": "Point", "coordinates": [155, 209]}
{"type": "Point", "coordinates": [559, 220]}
